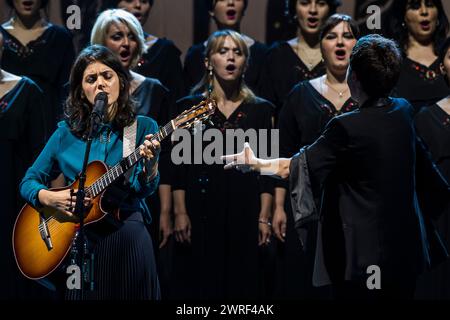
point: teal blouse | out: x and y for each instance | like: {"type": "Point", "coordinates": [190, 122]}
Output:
{"type": "Point", "coordinates": [64, 153]}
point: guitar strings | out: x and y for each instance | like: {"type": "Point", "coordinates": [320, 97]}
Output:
{"type": "Point", "coordinates": [98, 186]}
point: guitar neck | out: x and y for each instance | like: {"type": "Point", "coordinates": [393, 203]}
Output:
{"type": "Point", "coordinates": [126, 163]}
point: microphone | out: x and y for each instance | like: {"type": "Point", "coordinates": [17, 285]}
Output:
{"type": "Point", "coordinates": [101, 100]}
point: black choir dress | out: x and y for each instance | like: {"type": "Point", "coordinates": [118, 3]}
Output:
{"type": "Point", "coordinates": [433, 126]}
{"type": "Point", "coordinates": [194, 65]}
{"type": "Point", "coordinates": [282, 70]}
{"type": "Point", "coordinates": [419, 84]}
{"type": "Point", "coordinates": [222, 261]}
{"type": "Point", "coordinates": [162, 62]}
{"type": "Point", "coordinates": [22, 135]}
{"type": "Point", "coordinates": [302, 120]}
{"type": "Point", "coordinates": [46, 60]}
{"type": "Point", "coordinates": [154, 100]}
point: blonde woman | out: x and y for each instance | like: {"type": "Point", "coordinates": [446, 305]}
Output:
{"type": "Point", "coordinates": [162, 59]}
{"type": "Point", "coordinates": [219, 217]}
{"type": "Point", "coordinates": [121, 32]}
{"type": "Point", "coordinates": [226, 14]}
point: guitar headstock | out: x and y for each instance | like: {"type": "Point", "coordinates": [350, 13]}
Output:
{"type": "Point", "coordinates": [196, 114]}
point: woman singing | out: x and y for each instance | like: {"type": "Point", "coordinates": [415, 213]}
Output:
{"type": "Point", "coordinates": [219, 217]}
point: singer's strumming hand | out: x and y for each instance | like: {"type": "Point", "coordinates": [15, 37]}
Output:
{"type": "Point", "coordinates": [63, 202]}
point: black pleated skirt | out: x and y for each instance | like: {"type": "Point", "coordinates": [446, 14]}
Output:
{"type": "Point", "coordinates": [124, 261]}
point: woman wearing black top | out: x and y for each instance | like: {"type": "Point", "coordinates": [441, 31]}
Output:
{"type": "Point", "coordinates": [162, 58]}
{"type": "Point", "coordinates": [39, 50]}
{"type": "Point", "coordinates": [433, 126]}
{"type": "Point", "coordinates": [308, 108]}
{"type": "Point", "coordinates": [288, 63]}
{"type": "Point", "coordinates": [121, 32]}
{"type": "Point", "coordinates": [219, 217]}
{"type": "Point", "coordinates": [420, 27]}
{"type": "Point", "coordinates": [22, 135]}
{"type": "Point", "coordinates": [227, 14]}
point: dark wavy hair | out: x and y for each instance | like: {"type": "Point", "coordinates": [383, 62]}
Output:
{"type": "Point", "coordinates": [290, 11]}
{"type": "Point", "coordinates": [334, 20]}
{"type": "Point", "coordinates": [376, 62]}
{"type": "Point", "coordinates": [44, 3]}
{"type": "Point", "coordinates": [78, 108]}
{"type": "Point", "coordinates": [112, 4]}
{"type": "Point", "coordinates": [398, 31]}
{"type": "Point", "coordinates": [211, 3]}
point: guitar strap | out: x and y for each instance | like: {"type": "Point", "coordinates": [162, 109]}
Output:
{"type": "Point", "coordinates": [119, 192]}
{"type": "Point", "coordinates": [129, 144]}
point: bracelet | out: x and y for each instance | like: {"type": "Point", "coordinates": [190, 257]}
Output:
{"type": "Point", "coordinates": [265, 222]}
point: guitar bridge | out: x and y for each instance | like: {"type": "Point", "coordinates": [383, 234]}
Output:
{"type": "Point", "coordinates": [45, 234]}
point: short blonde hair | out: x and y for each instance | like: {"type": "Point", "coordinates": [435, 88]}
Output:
{"type": "Point", "coordinates": [116, 16]}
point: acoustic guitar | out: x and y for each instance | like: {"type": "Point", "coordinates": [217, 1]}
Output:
{"type": "Point", "coordinates": [41, 240]}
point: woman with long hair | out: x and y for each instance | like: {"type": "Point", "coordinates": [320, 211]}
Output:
{"type": "Point", "coordinates": [419, 27]}
{"type": "Point", "coordinates": [219, 227]}
{"type": "Point", "coordinates": [290, 62]}
{"type": "Point", "coordinates": [226, 14]}
{"type": "Point", "coordinates": [124, 265]}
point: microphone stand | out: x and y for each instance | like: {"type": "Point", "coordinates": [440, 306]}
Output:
{"type": "Point", "coordinates": [81, 246]}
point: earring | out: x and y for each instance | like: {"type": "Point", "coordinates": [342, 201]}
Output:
{"type": "Point", "coordinates": [403, 25]}
{"type": "Point", "coordinates": [210, 80]}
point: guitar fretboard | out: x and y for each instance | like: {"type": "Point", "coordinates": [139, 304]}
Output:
{"type": "Point", "coordinates": [126, 163]}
